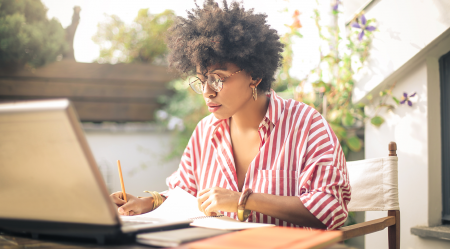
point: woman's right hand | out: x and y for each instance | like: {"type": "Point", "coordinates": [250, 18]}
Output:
{"type": "Point", "coordinates": [134, 205]}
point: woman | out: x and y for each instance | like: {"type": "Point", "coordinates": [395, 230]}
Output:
{"type": "Point", "coordinates": [282, 150]}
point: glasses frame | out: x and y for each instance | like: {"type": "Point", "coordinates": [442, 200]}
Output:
{"type": "Point", "coordinates": [218, 82]}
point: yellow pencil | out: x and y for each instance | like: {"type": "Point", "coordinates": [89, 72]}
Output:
{"type": "Point", "coordinates": [121, 181]}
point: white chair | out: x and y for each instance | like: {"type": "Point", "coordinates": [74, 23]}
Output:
{"type": "Point", "coordinates": [374, 184]}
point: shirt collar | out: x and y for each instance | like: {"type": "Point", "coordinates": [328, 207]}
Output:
{"type": "Point", "coordinates": [276, 107]}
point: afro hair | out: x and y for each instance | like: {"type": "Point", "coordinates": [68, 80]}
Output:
{"type": "Point", "coordinates": [213, 35]}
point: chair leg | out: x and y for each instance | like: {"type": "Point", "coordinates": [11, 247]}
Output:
{"type": "Point", "coordinates": [394, 230]}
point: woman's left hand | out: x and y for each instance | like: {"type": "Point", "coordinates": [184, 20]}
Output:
{"type": "Point", "coordinates": [211, 200]}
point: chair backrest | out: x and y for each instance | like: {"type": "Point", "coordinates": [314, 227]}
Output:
{"type": "Point", "coordinates": [374, 184]}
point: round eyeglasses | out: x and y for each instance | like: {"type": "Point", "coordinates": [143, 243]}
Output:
{"type": "Point", "coordinates": [214, 81]}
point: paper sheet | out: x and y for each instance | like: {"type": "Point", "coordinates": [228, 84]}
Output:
{"type": "Point", "coordinates": [182, 206]}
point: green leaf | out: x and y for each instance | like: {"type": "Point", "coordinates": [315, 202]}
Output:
{"type": "Point", "coordinates": [396, 100]}
{"type": "Point", "coordinates": [354, 143]}
{"type": "Point", "coordinates": [377, 121]}
{"type": "Point", "coordinates": [344, 149]}
{"type": "Point", "coordinates": [348, 119]}
{"type": "Point", "coordinates": [334, 116]}
{"type": "Point", "coordinates": [340, 132]}
{"type": "Point", "coordinates": [298, 34]}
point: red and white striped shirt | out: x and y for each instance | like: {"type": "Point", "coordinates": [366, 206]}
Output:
{"type": "Point", "coordinates": [299, 155]}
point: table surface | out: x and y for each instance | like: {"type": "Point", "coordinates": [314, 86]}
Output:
{"type": "Point", "coordinates": [13, 241]}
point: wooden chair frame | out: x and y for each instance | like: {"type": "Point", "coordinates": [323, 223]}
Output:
{"type": "Point", "coordinates": [392, 221]}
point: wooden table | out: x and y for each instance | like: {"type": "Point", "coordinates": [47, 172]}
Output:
{"type": "Point", "coordinates": [13, 241]}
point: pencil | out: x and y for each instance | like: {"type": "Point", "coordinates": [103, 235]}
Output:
{"type": "Point", "coordinates": [121, 181]}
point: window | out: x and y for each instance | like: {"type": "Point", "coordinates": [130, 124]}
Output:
{"type": "Point", "coordinates": [444, 72]}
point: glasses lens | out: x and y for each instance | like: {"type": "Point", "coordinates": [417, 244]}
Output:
{"type": "Point", "coordinates": [196, 85]}
{"type": "Point", "coordinates": [215, 82]}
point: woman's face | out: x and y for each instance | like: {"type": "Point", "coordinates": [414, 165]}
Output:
{"type": "Point", "coordinates": [235, 94]}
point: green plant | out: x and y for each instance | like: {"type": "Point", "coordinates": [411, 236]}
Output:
{"type": "Point", "coordinates": [181, 113]}
{"type": "Point", "coordinates": [27, 37]}
{"type": "Point", "coordinates": [141, 41]}
{"type": "Point", "coordinates": [329, 86]}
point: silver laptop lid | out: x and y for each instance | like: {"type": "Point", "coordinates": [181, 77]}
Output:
{"type": "Point", "coordinates": [47, 171]}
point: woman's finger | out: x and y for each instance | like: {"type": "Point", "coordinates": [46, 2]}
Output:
{"type": "Point", "coordinates": [204, 205]}
{"type": "Point", "coordinates": [204, 191]}
{"type": "Point", "coordinates": [126, 208]}
{"type": "Point", "coordinates": [202, 198]}
{"type": "Point", "coordinates": [210, 209]}
{"type": "Point", "coordinates": [117, 200]}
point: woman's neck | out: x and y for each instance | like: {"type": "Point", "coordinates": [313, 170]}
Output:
{"type": "Point", "coordinates": [251, 115]}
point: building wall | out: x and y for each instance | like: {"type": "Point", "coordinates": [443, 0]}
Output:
{"type": "Point", "coordinates": [417, 132]}
{"type": "Point", "coordinates": [404, 28]}
{"type": "Point", "coordinates": [411, 36]}
{"type": "Point", "coordinates": [408, 127]}
{"type": "Point", "coordinates": [141, 152]}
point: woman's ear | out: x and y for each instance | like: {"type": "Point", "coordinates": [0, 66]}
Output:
{"type": "Point", "coordinates": [255, 82]}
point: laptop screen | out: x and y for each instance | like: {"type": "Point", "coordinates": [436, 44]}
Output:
{"type": "Point", "coordinates": [47, 171]}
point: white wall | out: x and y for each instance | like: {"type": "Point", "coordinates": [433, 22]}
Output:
{"type": "Point", "coordinates": [416, 130]}
{"type": "Point", "coordinates": [141, 153]}
{"type": "Point", "coordinates": [411, 35]}
{"type": "Point", "coordinates": [405, 27]}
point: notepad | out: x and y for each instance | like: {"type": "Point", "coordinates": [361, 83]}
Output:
{"type": "Point", "coordinates": [176, 237]}
{"type": "Point", "coordinates": [183, 206]}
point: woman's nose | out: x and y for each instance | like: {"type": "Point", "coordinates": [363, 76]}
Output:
{"type": "Point", "coordinates": [208, 92]}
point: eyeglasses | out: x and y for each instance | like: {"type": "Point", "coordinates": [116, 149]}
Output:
{"type": "Point", "coordinates": [213, 80]}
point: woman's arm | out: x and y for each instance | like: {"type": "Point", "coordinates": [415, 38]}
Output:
{"type": "Point", "coordinates": [287, 208]}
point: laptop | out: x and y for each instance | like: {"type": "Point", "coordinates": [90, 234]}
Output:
{"type": "Point", "coordinates": [49, 181]}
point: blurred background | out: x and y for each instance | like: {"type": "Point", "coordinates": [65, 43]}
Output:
{"type": "Point", "coordinates": [375, 69]}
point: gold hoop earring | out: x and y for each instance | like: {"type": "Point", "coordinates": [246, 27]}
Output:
{"type": "Point", "coordinates": [255, 94]}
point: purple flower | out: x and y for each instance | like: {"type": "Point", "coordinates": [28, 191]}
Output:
{"type": "Point", "coordinates": [405, 98]}
{"type": "Point", "coordinates": [336, 5]}
{"type": "Point", "coordinates": [363, 27]}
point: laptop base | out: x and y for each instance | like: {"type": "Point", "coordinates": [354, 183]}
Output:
{"type": "Point", "coordinates": [102, 234]}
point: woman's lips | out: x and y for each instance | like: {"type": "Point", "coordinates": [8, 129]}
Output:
{"type": "Point", "coordinates": [213, 107]}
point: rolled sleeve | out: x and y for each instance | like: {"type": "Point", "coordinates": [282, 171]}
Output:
{"type": "Point", "coordinates": [325, 189]}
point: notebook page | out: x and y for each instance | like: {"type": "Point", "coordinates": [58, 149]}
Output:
{"type": "Point", "coordinates": [179, 206]}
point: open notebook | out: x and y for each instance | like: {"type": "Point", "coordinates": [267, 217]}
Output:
{"type": "Point", "coordinates": [183, 206]}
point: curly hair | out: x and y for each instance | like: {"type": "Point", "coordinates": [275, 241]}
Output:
{"type": "Point", "coordinates": [215, 35]}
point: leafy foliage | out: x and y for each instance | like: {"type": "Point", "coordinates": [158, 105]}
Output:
{"type": "Point", "coordinates": [181, 113]}
{"type": "Point", "coordinates": [141, 41]}
{"type": "Point", "coordinates": [329, 86]}
{"type": "Point", "coordinates": [27, 36]}
{"type": "Point", "coordinates": [284, 81]}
